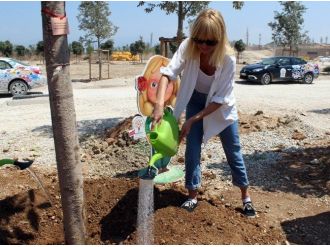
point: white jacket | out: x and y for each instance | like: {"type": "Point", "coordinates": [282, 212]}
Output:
{"type": "Point", "coordinates": [221, 90]}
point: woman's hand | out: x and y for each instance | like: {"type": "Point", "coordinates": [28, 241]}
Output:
{"type": "Point", "coordinates": [185, 129]}
{"type": "Point", "coordinates": [157, 115]}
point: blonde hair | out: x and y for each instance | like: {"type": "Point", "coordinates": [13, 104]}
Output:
{"type": "Point", "coordinates": [209, 25]}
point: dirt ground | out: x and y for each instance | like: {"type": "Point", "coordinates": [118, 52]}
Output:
{"type": "Point", "coordinates": [290, 213]}
{"type": "Point", "coordinates": [295, 211]}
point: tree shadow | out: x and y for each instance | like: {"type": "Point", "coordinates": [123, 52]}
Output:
{"type": "Point", "coordinates": [85, 128]}
{"type": "Point", "coordinates": [321, 111]}
{"type": "Point", "coordinates": [121, 222]}
{"type": "Point", "coordinates": [308, 230]}
{"type": "Point", "coordinates": [19, 204]}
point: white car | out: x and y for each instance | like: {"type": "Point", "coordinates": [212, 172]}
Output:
{"type": "Point", "coordinates": [18, 78]}
{"type": "Point", "coordinates": [324, 59]}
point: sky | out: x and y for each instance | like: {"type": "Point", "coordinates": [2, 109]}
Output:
{"type": "Point", "coordinates": [21, 21]}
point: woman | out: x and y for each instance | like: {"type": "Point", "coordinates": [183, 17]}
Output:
{"type": "Point", "coordinates": [206, 92]}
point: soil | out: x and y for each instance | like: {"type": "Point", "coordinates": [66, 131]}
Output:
{"type": "Point", "coordinates": [292, 212]}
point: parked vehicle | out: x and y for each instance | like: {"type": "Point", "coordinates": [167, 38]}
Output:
{"type": "Point", "coordinates": [18, 78]}
{"type": "Point", "coordinates": [280, 69]}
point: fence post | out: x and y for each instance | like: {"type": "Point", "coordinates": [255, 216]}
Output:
{"type": "Point", "coordinates": [90, 66]}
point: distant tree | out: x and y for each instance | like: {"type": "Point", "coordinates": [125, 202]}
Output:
{"type": "Point", "coordinates": [40, 48]}
{"type": "Point", "coordinates": [20, 50]}
{"type": "Point", "coordinates": [238, 4]}
{"type": "Point", "coordinates": [138, 47]}
{"type": "Point", "coordinates": [108, 45]}
{"type": "Point", "coordinates": [6, 48]}
{"type": "Point", "coordinates": [287, 27]}
{"type": "Point", "coordinates": [89, 49]}
{"type": "Point", "coordinates": [77, 49]}
{"type": "Point", "coordinates": [183, 9]}
{"type": "Point", "coordinates": [94, 20]}
{"type": "Point", "coordinates": [173, 47]}
{"type": "Point", "coordinates": [239, 47]}
{"type": "Point", "coordinates": [31, 50]}
{"type": "Point", "coordinates": [157, 49]}
{"type": "Point", "coordinates": [125, 48]}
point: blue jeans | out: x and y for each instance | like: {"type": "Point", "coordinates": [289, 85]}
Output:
{"type": "Point", "coordinates": [230, 142]}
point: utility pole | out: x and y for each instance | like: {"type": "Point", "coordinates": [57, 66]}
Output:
{"type": "Point", "coordinates": [259, 41]}
{"type": "Point", "coordinates": [55, 30]}
{"type": "Point", "coordinates": [151, 36]}
{"type": "Point", "coordinates": [247, 37]}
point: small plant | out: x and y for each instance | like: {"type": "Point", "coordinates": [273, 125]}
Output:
{"type": "Point", "coordinates": [327, 69]}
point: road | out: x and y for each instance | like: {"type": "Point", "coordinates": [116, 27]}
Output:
{"type": "Point", "coordinates": [116, 98]}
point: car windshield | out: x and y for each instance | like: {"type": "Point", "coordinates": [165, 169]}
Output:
{"type": "Point", "coordinates": [13, 62]}
{"type": "Point", "coordinates": [268, 61]}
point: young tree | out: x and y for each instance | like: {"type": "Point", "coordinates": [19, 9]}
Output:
{"type": "Point", "coordinates": [157, 49]}
{"type": "Point", "coordinates": [138, 47]}
{"type": "Point", "coordinates": [125, 48]}
{"type": "Point", "coordinates": [239, 47]}
{"type": "Point", "coordinates": [77, 48]}
{"type": "Point", "coordinates": [93, 19]}
{"type": "Point", "coordinates": [64, 125]}
{"type": "Point", "coordinates": [40, 48]}
{"type": "Point", "coordinates": [40, 51]}
{"type": "Point", "coordinates": [108, 45]}
{"type": "Point", "coordinates": [20, 50]}
{"type": "Point", "coordinates": [6, 48]}
{"type": "Point", "coordinates": [287, 27]}
{"type": "Point", "coordinates": [182, 8]}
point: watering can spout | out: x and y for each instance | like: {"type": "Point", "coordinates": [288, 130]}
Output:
{"type": "Point", "coordinates": [154, 158]}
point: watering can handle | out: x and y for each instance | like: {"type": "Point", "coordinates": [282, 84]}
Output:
{"type": "Point", "coordinates": [167, 110]}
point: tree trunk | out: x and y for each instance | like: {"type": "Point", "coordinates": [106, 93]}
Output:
{"type": "Point", "coordinates": [179, 34]}
{"type": "Point", "coordinates": [64, 125]}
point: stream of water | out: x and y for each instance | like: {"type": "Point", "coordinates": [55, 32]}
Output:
{"type": "Point", "coordinates": [145, 220]}
{"type": "Point", "coordinates": [37, 179]}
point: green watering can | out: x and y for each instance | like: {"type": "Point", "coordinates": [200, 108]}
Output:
{"type": "Point", "coordinates": [164, 139]}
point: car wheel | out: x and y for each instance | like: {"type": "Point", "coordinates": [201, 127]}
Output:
{"type": "Point", "coordinates": [18, 87]}
{"type": "Point", "coordinates": [308, 78]}
{"type": "Point", "coordinates": [266, 79]}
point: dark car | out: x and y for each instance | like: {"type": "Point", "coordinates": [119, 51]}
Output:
{"type": "Point", "coordinates": [280, 69]}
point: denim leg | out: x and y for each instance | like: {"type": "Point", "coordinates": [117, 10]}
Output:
{"type": "Point", "coordinates": [231, 144]}
{"type": "Point", "coordinates": [193, 143]}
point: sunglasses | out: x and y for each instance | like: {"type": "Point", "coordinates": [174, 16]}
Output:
{"type": "Point", "coordinates": [206, 42]}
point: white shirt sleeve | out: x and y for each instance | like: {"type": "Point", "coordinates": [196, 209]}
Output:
{"type": "Point", "coordinates": [174, 68]}
{"type": "Point", "coordinates": [225, 82]}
